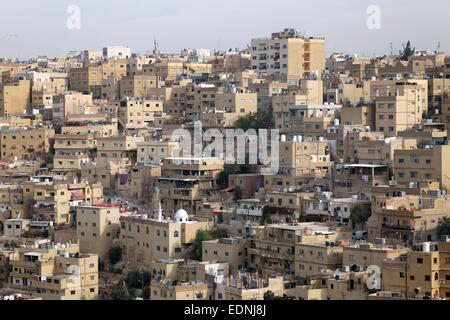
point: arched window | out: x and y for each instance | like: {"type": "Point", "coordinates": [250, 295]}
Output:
{"type": "Point", "coordinates": [175, 234]}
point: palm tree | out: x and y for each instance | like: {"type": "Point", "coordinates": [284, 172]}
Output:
{"type": "Point", "coordinates": [444, 226]}
{"type": "Point", "coordinates": [360, 214]}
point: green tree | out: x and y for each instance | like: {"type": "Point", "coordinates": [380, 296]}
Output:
{"type": "Point", "coordinates": [120, 293]}
{"type": "Point", "coordinates": [219, 233]}
{"type": "Point", "coordinates": [269, 295]}
{"type": "Point", "coordinates": [237, 193]}
{"type": "Point", "coordinates": [202, 235]}
{"type": "Point", "coordinates": [443, 226]}
{"type": "Point", "coordinates": [137, 279]}
{"type": "Point", "coordinates": [146, 293]}
{"type": "Point", "coordinates": [407, 52]}
{"type": "Point", "coordinates": [48, 157]}
{"type": "Point", "coordinates": [205, 235]}
{"type": "Point", "coordinates": [115, 254]}
{"type": "Point", "coordinates": [222, 179]}
{"type": "Point", "coordinates": [360, 214]}
{"type": "Point", "coordinates": [257, 120]}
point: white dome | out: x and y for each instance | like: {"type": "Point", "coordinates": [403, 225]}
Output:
{"type": "Point", "coordinates": [181, 216]}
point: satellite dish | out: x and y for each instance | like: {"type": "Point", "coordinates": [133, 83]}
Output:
{"type": "Point", "coordinates": [336, 275]}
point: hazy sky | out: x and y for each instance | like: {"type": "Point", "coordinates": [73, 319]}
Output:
{"type": "Point", "coordinates": [31, 28]}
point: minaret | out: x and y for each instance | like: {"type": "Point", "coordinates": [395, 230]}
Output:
{"type": "Point", "coordinates": [158, 208]}
{"type": "Point", "coordinates": [159, 211]}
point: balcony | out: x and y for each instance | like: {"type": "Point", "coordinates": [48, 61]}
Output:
{"type": "Point", "coordinates": [264, 253]}
{"type": "Point", "coordinates": [396, 227]}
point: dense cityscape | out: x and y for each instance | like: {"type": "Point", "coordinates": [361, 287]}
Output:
{"type": "Point", "coordinates": [332, 184]}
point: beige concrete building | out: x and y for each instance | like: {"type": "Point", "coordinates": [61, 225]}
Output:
{"type": "Point", "coordinates": [399, 104]}
{"type": "Point", "coordinates": [423, 164]}
{"type": "Point", "coordinates": [145, 240]}
{"type": "Point", "coordinates": [137, 86]}
{"type": "Point", "coordinates": [15, 97]}
{"type": "Point", "coordinates": [228, 108]}
{"type": "Point", "coordinates": [55, 273]}
{"type": "Point", "coordinates": [420, 274]}
{"type": "Point", "coordinates": [307, 120]}
{"type": "Point", "coordinates": [288, 53]}
{"type": "Point", "coordinates": [25, 143]}
{"type": "Point", "coordinates": [165, 290]}
{"type": "Point", "coordinates": [118, 148]}
{"type": "Point", "coordinates": [137, 113]}
{"type": "Point", "coordinates": [230, 250]}
{"type": "Point", "coordinates": [314, 259]}
{"type": "Point", "coordinates": [300, 162]}
{"type": "Point", "coordinates": [57, 202]}
{"type": "Point", "coordinates": [97, 228]}
{"type": "Point", "coordinates": [187, 181]}
{"type": "Point", "coordinates": [248, 286]}
{"type": "Point", "coordinates": [153, 152]}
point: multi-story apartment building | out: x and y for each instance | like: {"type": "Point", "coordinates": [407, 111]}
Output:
{"type": "Point", "coordinates": [380, 151]}
{"type": "Point", "coordinates": [54, 272]}
{"type": "Point", "coordinates": [358, 179]}
{"type": "Point", "coordinates": [139, 113]}
{"type": "Point", "coordinates": [153, 152]}
{"type": "Point", "coordinates": [15, 97]}
{"type": "Point", "coordinates": [97, 228]}
{"type": "Point", "coordinates": [56, 202]}
{"type": "Point", "coordinates": [370, 254]}
{"type": "Point", "coordinates": [167, 70]}
{"type": "Point", "coordinates": [69, 103]}
{"type": "Point", "coordinates": [105, 172]}
{"type": "Point", "coordinates": [187, 181]}
{"type": "Point", "coordinates": [423, 164]}
{"type": "Point", "coordinates": [362, 114]}
{"type": "Point", "coordinates": [314, 259]}
{"type": "Point", "coordinates": [228, 108]}
{"type": "Point", "coordinates": [307, 120]}
{"type": "Point", "coordinates": [420, 273]}
{"type": "Point", "coordinates": [116, 52]}
{"type": "Point", "coordinates": [119, 148]}
{"type": "Point", "coordinates": [249, 286]}
{"type": "Point", "coordinates": [230, 250]}
{"type": "Point", "coordinates": [399, 105]}
{"type": "Point", "coordinates": [137, 182]}
{"type": "Point", "coordinates": [102, 128]}
{"type": "Point", "coordinates": [25, 143]}
{"type": "Point", "coordinates": [201, 98]}
{"type": "Point", "coordinates": [288, 53]}
{"type": "Point", "coordinates": [144, 240]}
{"type": "Point", "coordinates": [272, 249]}
{"type": "Point", "coordinates": [74, 144]}
{"type": "Point", "coordinates": [137, 86]}
{"type": "Point", "coordinates": [300, 162]}
{"type": "Point", "coordinates": [164, 290]}
{"type": "Point", "coordinates": [265, 91]}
